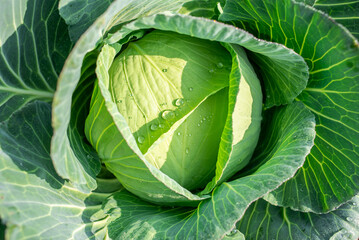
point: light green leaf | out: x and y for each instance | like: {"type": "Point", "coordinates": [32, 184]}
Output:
{"type": "Point", "coordinates": [330, 175]}
{"type": "Point", "coordinates": [11, 16]}
{"type": "Point", "coordinates": [35, 202]}
{"type": "Point", "coordinates": [65, 160]}
{"type": "Point", "coordinates": [128, 162]}
{"type": "Point", "coordinates": [344, 12]}
{"type": "Point", "coordinates": [30, 57]}
{"type": "Point", "coordinates": [265, 221]}
{"type": "Point", "coordinates": [241, 132]}
{"type": "Point", "coordinates": [80, 14]}
{"type": "Point", "coordinates": [275, 61]}
{"type": "Point", "coordinates": [280, 156]}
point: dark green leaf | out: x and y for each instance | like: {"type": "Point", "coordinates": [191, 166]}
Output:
{"type": "Point", "coordinates": [330, 175]}
{"type": "Point", "coordinates": [344, 12]}
{"type": "Point", "coordinates": [33, 47]}
{"type": "Point", "coordinates": [80, 14]}
{"type": "Point", "coordinates": [265, 221]}
{"type": "Point", "coordinates": [35, 202]}
{"type": "Point", "coordinates": [2, 230]}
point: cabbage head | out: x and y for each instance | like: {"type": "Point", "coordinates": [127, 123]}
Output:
{"type": "Point", "coordinates": [179, 119]}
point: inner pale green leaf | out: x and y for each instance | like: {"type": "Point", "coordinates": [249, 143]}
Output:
{"type": "Point", "coordinates": [160, 78]}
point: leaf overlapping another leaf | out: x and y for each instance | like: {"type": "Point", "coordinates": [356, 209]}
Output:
{"type": "Point", "coordinates": [330, 174]}
{"type": "Point", "coordinates": [32, 52]}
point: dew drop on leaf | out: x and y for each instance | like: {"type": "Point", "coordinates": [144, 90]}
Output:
{"type": "Point", "coordinates": [211, 71]}
{"type": "Point", "coordinates": [179, 102]}
{"type": "Point", "coordinates": [154, 127]}
{"type": "Point", "coordinates": [140, 139]}
{"type": "Point", "coordinates": [167, 115]}
{"type": "Point", "coordinates": [220, 65]}
{"type": "Point", "coordinates": [178, 133]}
{"type": "Point", "coordinates": [190, 89]}
{"type": "Point", "coordinates": [164, 70]}
{"type": "Point", "coordinates": [187, 150]}
{"type": "Point", "coordinates": [233, 232]}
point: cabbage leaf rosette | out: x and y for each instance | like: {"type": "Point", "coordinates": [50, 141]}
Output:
{"type": "Point", "coordinates": [179, 119]}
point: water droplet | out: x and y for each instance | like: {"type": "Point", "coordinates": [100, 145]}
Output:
{"type": "Point", "coordinates": [167, 115]}
{"type": "Point", "coordinates": [349, 219]}
{"type": "Point", "coordinates": [179, 102]}
{"type": "Point", "coordinates": [154, 127]}
{"type": "Point", "coordinates": [140, 139]}
{"type": "Point", "coordinates": [189, 134]}
{"type": "Point", "coordinates": [220, 65]}
{"type": "Point", "coordinates": [190, 89]}
{"type": "Point", "coordinates": [160, 125]}
{"type": "Point", "coordinates": [164, 70]}
{"type": "Point", "coordinates": [268, 96]}
{"type": "Point", "coordinates": [187, 150]}
{"type": "Point", "coordinates": [211, 71]}
{"type": "Point", "coordinates": [201, 121]}
{"type": "Point", "coordinates": [198, 124]}
{"type": "Point", "coordinates": [119, 101]}
{"type": "Point", "coordinates": [178, 133]}
{"type": "Point", "coordinates": [354, 203]}
{"type": "Point", "coordinates": [233, 232]}
{"type": "Point", "coordinates": [88, 156]}
{"type": "Point", "coordinates": [204, 118]}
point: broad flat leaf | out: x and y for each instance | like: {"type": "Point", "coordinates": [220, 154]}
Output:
{"type": "Point", "coordinates": [30, 55]}
{"type": "Point", "coordinates": [35, 202]}
{"type": "Point", "coordinates": [213, 218]}
{"type": "Point", "coordinates": [66, 162]}
{"type": "Point", "coordinates": [80, 14]}
{"type": "Point", "coordinates": [344, 12]}
{"type": "Point", "coordinates": [265, 221]}
{"type": "Point", "coordinates": [276, 61]}
{"type": "Point", "coordinates": [330, 175]}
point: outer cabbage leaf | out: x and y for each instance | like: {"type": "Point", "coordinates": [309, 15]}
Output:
{"type": "Point", "coordinates": [280, 156]}
{"type": "Point", "coordinates": [32, 52]}
{"type": "Point", "coordinates": [343, 12]}
{"type": "Point", "coordinates": [330, 175]}
{"type": "Point", "coordinates": [265, 221]}
{"type": "Point", "coordinates": [35, 202]}
{"type": "Point", "coordinates": [80, 14]}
